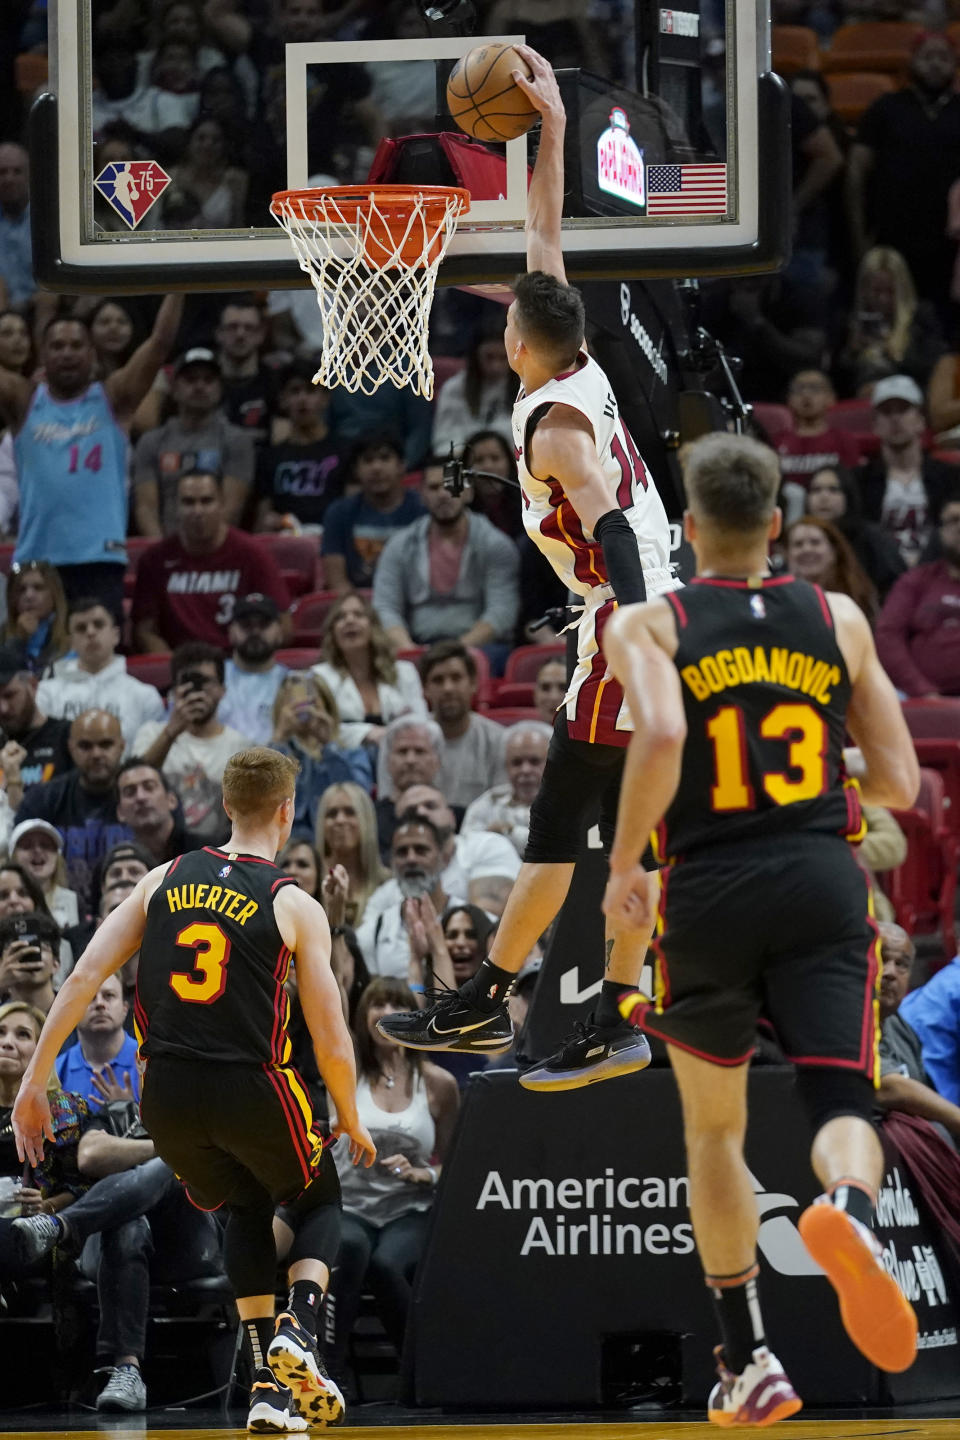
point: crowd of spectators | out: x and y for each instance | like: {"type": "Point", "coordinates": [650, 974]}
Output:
{"type": "Point", "coordinates": [206, 440]}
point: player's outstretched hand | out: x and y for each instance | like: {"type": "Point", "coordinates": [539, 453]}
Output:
{"type": "Point", "coordinates": [542, 90]}
{"type": "Point", "coordinates": [630, 899]}
{"type": "Point", "coordinates": [31, 1122]}
{"type": "Point", "coordinates": [359, 1142]}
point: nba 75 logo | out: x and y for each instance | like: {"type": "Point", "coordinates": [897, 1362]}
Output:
{"type": "Point", "coordinates": [131, 187]}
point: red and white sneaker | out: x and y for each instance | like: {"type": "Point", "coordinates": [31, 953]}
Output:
{"type": "Point", "coordinates": [761, 1396]}
{"type": "Point", "coordinates": [876, 1314]}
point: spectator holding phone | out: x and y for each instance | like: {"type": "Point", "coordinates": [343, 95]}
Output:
{"type": "Point", "coordinates": [29, 956]}
{"type": "Point", "coordinates": [193, 746]}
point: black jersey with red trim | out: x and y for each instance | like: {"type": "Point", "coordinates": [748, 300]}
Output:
{"type": "Point", "coordinates": [213, 963]}
{"type": "Point", "coordinates": [765, 691]}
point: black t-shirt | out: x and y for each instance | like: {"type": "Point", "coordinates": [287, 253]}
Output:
{"type": "Point", "coordinates": [301, 480]}
{"type": "Point", "coordinates": [916, 160]}
{"type": "Point", "coordinates": [213, 962]}
{"type": "Point", "coordinates": [249, 403]}
{"type": "Point", "coordinates": [47, 752]}
{"type": "Point", "coordinates": [88, 824]}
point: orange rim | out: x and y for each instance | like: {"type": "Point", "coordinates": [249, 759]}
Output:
{"type": "Point", "coordinates": [339, 203]}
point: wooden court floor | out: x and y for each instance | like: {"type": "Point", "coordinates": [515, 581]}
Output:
{"type": "Point", "coordinates": [122, 1429]}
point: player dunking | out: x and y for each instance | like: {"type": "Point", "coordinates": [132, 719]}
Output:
{"type": "Point", "coordinates": [590, 506]}
{"type": "Point", "coordinates": [217, 931]}
{"type": "Point", "coordinates": [742, 690]}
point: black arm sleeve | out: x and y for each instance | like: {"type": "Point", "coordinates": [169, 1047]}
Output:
{"type": "Point", "coordinates": [619, 545]}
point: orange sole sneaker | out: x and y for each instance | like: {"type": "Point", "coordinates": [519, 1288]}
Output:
{"type": "Point", "coordinates": [876, 1314]}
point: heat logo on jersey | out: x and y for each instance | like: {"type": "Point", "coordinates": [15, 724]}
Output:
{"type": "Point", "coordinates": [132, 188]}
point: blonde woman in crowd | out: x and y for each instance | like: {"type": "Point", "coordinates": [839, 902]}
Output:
{"type": "Point", "coordinates": [306, 725]}
{"type": "Point", "coordinates": [347, 836]}
{"type": "Point", "coordinates": [370, 685]}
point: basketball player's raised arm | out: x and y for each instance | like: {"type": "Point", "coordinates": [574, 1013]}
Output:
{"type": "Point", "coordinates": [129, 385]}
{"type": "Point", "coordinates": [887, 766]}
{"type": "Point", "coordinates": [15, 394]}
{"type": "Point", "coordinates": [112, 945]}
{"type": "Point", "coordinates": [303, 925]}
{"type": "Point", "coordinates": [638, 643]}
{"type": "Point", "coordinates": [545, 195]}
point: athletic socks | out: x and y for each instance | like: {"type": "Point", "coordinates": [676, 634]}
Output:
{"type": "Point", "coordinates": [257, 1335]}
{"type": "Point", "coordinates": [856, 1198]}
{"type": "Point", "coordinates": [612, 994]}
{"type": "Point", "coordinates": [304, 1301]}
{"type": "Point", "coordinates": [488, 989]}
{"type": "Point", "coordinates": [737, 1308]}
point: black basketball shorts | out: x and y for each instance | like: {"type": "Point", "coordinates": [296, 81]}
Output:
{"type": "Point", "coordinates": [232, 1131]}
{"type": "Point", "coordinates": [579, 780]}
{"type": "Point", "coordinates": [778, 931]}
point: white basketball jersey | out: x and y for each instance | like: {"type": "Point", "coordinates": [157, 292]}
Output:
{"type": "Point", "coordinates": [550, 519]}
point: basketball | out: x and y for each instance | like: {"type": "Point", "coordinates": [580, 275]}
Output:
{"type": "Point", "coordinates": [484, 99]}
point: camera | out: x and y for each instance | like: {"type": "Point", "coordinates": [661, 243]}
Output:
{"type": "Point", "coordinates": [193, 679]}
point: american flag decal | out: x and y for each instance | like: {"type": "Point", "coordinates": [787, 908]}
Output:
{"type": "Point", "coordinates": [686, 189]}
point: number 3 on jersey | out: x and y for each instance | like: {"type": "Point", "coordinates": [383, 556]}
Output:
{"type": "Point", "coordinates": [207, 980]}
{"type": "Point", "coordinates": [805, 733]}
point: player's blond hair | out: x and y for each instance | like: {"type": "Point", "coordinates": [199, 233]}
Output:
{"type": "Point", "coordinates": [732, 482]}
{"type": "Point", "coordinates": [256, 781]}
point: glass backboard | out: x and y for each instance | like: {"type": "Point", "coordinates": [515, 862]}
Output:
{"type": "Point", "coordinates": [168, 125]}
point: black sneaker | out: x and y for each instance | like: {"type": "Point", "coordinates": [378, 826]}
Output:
{"type": "Point", "coordinates": [593, 1052]}
{"type": "Point", "coordinates": [450, 1024]}
{"type": "Point", "coordinates": [295, 1361]}
{"type": "Point", "coordinates": [273, 1410]}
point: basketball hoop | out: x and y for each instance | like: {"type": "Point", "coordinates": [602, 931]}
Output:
{"type": "Point", "coordinates": [372, 253]}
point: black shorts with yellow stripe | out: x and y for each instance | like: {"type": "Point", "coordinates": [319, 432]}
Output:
{"type": "Point", "coordinates": [232, 1131]}
{"type": "Point", "coordinates": [781, 933]}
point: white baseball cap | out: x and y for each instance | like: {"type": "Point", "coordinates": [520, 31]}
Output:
{"type": "Point", "coordinates": [897, 387]}
{"type": "Point", "coordinates": [26, 826]}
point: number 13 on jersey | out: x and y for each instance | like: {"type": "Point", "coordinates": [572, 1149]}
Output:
{"type": "Point", "coordinates": [799, 726]}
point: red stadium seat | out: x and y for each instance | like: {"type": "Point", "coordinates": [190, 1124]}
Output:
{"type": "Point", "coordinates": [776, 420]}
{"type": "Point", "coordinates": [513, 692]}
{"type": "Point", "coordinates": [923, 889]}
{"type": "Point", "coordinates": [854, 92]}
{"type": "Point", "coordinates": [512, 714]}
{"type": "Point", "coordinates": [151, 669]}
{"type": "Point", "coordinates": [298, 658]}
{"type": "Point", "coordinates": [855, 415]}
{"type": "Point", "coordinates": [873, 45]}
{"type": "Point", "coordinates": [794, 48]}
{"type": "Point", "coordinates": [933, 719]}
{"type": "Point", "coordinates": [935, 727]}
{"type": "Point", "coordinates": [308, 613]}
{"type": "Point", "coordinates": [524, 662]}
{"type": "Point", "coordinates": [298, 560]}
{"type": "Point", "coordinates": [31, 71]}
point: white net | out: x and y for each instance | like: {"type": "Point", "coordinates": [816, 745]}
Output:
{"type": "Point", "coordinates": [372, 259]}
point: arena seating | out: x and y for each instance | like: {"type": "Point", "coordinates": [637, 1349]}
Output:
{"type": "Point", "coordinates": [923, 889]}
{"type": "Point", "coordinates": [872, 45]}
